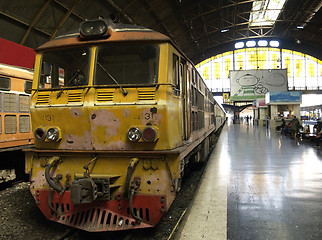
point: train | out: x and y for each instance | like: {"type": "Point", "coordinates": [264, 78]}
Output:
{"type": "Point", "coordinates": [15, 124]}
{"type": "Point", "coordinates": [118, 113]}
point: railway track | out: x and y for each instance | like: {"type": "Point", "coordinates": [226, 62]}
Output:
{"type": "Point", "coordinates": [21, 218]}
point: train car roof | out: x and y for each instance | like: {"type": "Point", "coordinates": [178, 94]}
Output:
{"type": "Point", "coordinates": [15, 71]}
{"type": "Point", "coordinates": [117, 33]}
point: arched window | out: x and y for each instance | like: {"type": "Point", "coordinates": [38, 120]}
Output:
{"type": "Point", "coordinates": [304, 72]}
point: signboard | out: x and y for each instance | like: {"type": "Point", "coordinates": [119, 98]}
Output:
{"type": "Point", "coordinates": [261, 102]}
{"type": "Point", "coordinates": [225, 96]}
{"type": "Point", "coordinates": [249, 85]}
{"type": "Point", "coordinates": [294, 97]}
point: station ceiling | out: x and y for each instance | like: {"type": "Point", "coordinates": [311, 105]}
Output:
{"type": "Point", "coordinates": [201, 28]}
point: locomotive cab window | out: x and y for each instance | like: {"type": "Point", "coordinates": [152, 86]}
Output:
{"type": "Point", "coordinates": [65, 68]}
{"type": "Point", "coordinates": [127, 64]}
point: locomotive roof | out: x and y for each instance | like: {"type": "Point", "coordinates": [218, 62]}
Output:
{"type": "Point", "coordinates": [118, 33]}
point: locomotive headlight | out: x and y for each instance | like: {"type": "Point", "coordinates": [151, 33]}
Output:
{"type": "Point", "coordinates": [53, 134]}
{"type": "Point", "coordinates": [134, 134]}
{"type": "Point", "coordinates": [93, 28]}
{"type": "Point", "coordinates": [149, 134]}
{"type": "Point", "coordinates": [40, 134]}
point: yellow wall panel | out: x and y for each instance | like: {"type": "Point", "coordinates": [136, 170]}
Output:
{"type": "Point", "coordinates": [217, 70]}
{"type": "Point", "coordinates": [206, 73]}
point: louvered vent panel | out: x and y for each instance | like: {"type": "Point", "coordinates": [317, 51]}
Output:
{"type": "Point", "coordinates": [74, 96]}
{"type": "Point", "coordinates": [105, 95]}
{"type": "Point", "coordinates": [43, 98]}
{"type": "Point", "coordinates": [146, 93]}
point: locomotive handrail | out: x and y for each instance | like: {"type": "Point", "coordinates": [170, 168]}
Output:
{"type": "Point", "coordinates": [103, 86]}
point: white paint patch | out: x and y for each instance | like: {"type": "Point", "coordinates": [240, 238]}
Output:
{"type": "Point", "coordinates": [106, 119]}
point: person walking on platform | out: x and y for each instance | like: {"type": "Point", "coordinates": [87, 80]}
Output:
{"type": "Point", "coordinates": [283, 127]}
{"type": "Point", "coordinates": [294, 127]}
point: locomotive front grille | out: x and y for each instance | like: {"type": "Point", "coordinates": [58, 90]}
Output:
{"type": "Point", "coordinates": [43, 98]}
{"type": "Point", "coordinates": [105, 95]}
{"type": "Point", "coordinates": [146, 93]}
{"type": "Point", "coordinates": [98, 219]}
{"type": "Point", "coordinates": [74, 96]}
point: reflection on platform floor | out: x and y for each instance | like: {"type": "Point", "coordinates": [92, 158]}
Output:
{"type": "Point", "coordinates": [258, 185]}
{"type": "Point", "coordinates": [274, 185]}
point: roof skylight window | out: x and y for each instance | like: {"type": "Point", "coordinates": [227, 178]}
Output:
{"type": "Point", "coordinates": [265, 12]}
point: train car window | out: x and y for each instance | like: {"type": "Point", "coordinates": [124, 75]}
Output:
{"type": "Point", "coordinates": [64, 68]}
{"type": "Point", "coordinates": [5, 83]}
{"type": "Point", "coordinates": [0, 124]}
{"type": "Point", "coordinates": [175, 74]}
{"type": "Point", "coordinates": [194, 121]}
{"type": "Point", "coordinates": [24, 124]}
{"type": "Point", "coordinates": [201, 120]}
{"type": "Point", "coordinates": [28, 87]}
{"type": "Point", "coordinates": [10, 102]}
{"type": "Point", "coordinates": [199, 83]}
{"type": "Point", "coordinates": [200, 101]}
{"type": "Point", "coordinates": [194, 76]}
{"type": "Point", "coordinates": [0, 101]}
{"type": "Point", "coordinates": [24, 101]}
{"type": "Point", "coordinates": [183, 68]}
{"type": "Point", "coordinates": [10, 124]}
{"type": "Point", "coordinates": [127, 64]}
{"type": "Point", "coordinates": [194, 98]}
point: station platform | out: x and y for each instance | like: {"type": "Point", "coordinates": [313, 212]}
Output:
{"type": "Point", "coordinates": [257, 184]}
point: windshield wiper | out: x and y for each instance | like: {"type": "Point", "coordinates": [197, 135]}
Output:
{"type": "Point", "coordinates": [123, 90]}
{"type": "Point", "coordinates": [70, 80]}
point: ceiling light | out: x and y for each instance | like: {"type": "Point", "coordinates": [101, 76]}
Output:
{"type": "Point", "coordinates": [251, 43]}
{"type": "Point", "coordinates": [224, 30]}
{"type": "Point", "coordinates": [274, 43]}
{"type": "Point", "coordinates": [300, 27]}
{"type": "Point", "coordinates": [239, 45]}
{"type": "Point", "coordinates": [262, 43]}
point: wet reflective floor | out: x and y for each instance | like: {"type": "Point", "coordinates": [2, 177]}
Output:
{"type": "Point", "coordinates": [274, 188]}
{"type": "Point", "coordinates": [257, 185]}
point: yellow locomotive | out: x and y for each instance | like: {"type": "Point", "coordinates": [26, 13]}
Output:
{"type": "Point", "coordinates": [117, 113]}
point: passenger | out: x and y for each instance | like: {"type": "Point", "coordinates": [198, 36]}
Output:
{"type": "Point", "coordinates": [317, 139]}
{"type": "Point", "coordinates": [317, 126]}
{"type": "Point", "coordinates": [294, 127]}
{"type": "Point", "coordinates": [283, 127]}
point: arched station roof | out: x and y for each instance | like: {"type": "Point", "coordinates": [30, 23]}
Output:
{"type": "Point", "coordinates": [201, 28]}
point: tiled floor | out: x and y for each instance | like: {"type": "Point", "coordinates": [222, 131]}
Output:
{"type": "Point", "coordinates": [258, 185]}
